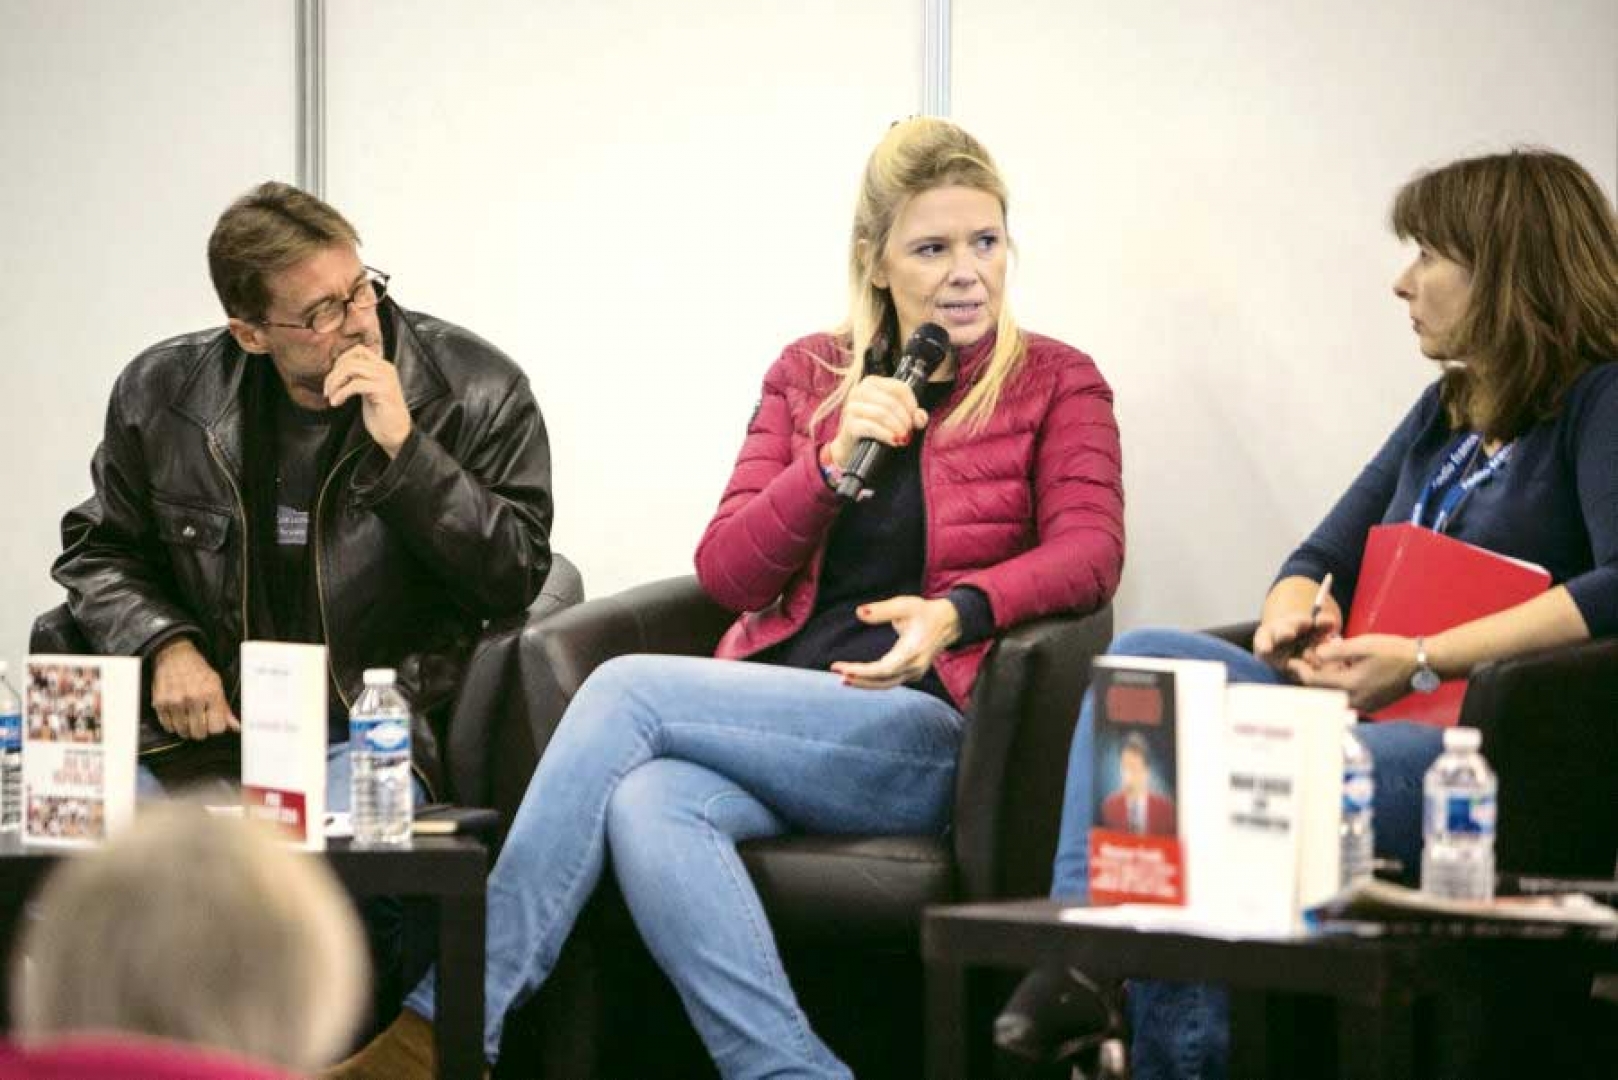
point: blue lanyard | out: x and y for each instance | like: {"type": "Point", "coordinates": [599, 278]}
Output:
{"type": "Point", "coordinates": [1444, 478]}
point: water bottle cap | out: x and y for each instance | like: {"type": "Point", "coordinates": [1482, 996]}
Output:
{"type": "Point", "coordinates": [379, 676]}
{"type": "Point", "coordinates": [1462, 738]}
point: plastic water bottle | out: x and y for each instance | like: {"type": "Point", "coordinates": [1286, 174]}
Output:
{"type": "Point", "coordinates": [1457, 855]}
{"type": "Point", "coordinates": [10, 756]}
{"type": "Point", "coordinates": [1359, 788]}
{"type": "Point", "coordinates": [379, 749]}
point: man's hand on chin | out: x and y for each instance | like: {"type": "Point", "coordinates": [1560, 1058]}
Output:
{"type": "Point", "coordinates": [362, 372]}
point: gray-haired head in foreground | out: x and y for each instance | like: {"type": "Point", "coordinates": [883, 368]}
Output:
{"type": "Point", "coordinates": [197, 929]}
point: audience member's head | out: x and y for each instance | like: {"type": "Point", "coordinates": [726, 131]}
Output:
{"type": "Point", "coordinates": [196, 929]}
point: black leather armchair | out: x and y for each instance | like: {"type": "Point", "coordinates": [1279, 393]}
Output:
{"type": "Point", "coordinates": [491, 689]}
{"type": "Point", "coordinates": [845, 909]}
{"type": "Point", "coordinates": [1550, 731]}
{"type": "Point", "coordinates": [493, 697]}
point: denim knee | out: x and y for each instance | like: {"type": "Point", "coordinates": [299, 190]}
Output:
{"type": "Point", "coordinates": [1151, 641]}
{"type": "Point", "coordinates": [616, 678]}
{"type": "Point", "coordinates": [609, 694]}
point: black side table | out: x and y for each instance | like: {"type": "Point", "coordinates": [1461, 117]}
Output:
{"type": "Point", "coordinates": [449, 871]}
{"type": "Point", "coordinates": [1370, 986]}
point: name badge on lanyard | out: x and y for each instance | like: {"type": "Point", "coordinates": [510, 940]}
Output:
{"type": "Point", "coordinates": [1451, 494]}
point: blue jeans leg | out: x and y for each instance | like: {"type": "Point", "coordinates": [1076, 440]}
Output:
{"type": "Point", "coordinates": [820, 756]}
{"type": "Point", "coordinates": [673, 827]}
{"type": "Point", "coordinates": [1181, 1031]}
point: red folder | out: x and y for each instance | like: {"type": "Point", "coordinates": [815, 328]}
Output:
{"type": "Point", "coordinates": [1416, 581]}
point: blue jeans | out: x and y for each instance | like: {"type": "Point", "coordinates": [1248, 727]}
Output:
{"type": "Point", "coordinates": [1181, 1030]}
{"type": "Point", "coordinates": [669, 762]}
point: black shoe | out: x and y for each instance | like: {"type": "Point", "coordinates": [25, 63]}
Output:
{"type": "Point", "coordinates": [1056, 1015]}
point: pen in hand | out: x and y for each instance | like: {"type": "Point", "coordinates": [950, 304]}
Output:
{"type": "Point", "coordinates": [1305, 640]}
{"type": "Point", "coordinates": [1320, 601]}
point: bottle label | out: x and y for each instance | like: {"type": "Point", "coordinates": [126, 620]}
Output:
{"type": "Point", "coordinates": [381, 734]}
{"type": "Point", "coordinates": [1461, 815]}
{"type": "Point", "coordinates": [1358, 789]}
{"type": "Point", "coordinates": [10, 732]}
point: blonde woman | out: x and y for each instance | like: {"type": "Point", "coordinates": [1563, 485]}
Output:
{"type": "Point", "coordinates": [837, 701]}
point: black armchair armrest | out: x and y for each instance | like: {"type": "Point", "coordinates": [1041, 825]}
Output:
{"type": "Point", "coordinates": [1550, 730]}
{"type": "Point", "coordinates": [57, 631]}
{"type": "Point", "coordinates": [490, 685]}
{"type": "Point", "coordinates": [1013, 764]}
{"type": "Point", "coordinates": [555, 654]}
{"type": "Point", "coordinates": [673, 617]}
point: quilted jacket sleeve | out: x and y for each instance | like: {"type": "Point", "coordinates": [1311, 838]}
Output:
{"type": "Point", "coordinates": [1077, 478]}
{"type": "Point", "coordinates": [776, 509]}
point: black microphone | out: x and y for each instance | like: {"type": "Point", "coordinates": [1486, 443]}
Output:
{"type": "Point", "coordinates": [924, 351]}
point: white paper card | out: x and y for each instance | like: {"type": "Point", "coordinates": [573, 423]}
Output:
{"type": "Point", "coordinates": [284, 738]}
{"type": "Point", "coordinates": [1281, 806]}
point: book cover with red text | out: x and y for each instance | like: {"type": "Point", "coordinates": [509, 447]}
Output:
{"type": "Point", "coordinates": [284, 738]}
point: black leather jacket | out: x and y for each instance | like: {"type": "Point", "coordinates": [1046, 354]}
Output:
{"type": "Point", "coordinates": [410, 557]}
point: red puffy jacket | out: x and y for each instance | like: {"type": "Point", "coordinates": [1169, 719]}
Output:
{"type": "Point", "coordinates": [1030, 510]}
{"type": "Point", "coordinates": [112, 1056]}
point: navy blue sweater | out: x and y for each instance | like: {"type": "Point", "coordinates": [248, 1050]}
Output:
{"type": "Point", "coordinates": [1554, 502]}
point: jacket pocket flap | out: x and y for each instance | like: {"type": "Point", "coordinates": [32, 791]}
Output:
{"type": "Point", "coordinates": [191, 526]}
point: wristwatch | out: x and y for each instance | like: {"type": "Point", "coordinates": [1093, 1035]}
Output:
{"type": "Point", "coordinates": [1424, 680]}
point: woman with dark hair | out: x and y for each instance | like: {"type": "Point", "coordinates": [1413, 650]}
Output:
{"type": "Point", "coordinates": [1514, 291]}
{"type": "Point", "coordinates": [863, 623]}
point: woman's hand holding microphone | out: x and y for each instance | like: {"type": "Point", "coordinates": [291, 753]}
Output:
{"type": "Point", "coordinates": [876, 408]}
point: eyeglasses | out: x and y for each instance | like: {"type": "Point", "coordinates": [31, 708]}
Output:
{"type": "Point", "coordinates": [328, 315]}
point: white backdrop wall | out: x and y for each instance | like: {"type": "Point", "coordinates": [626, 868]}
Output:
{"type": "Point", "coordinates": [125, 128]}
{"type": "Point", "coordinates": [642, 202]}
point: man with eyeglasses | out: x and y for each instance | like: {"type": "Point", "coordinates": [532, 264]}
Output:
{"type": "Point", "coordinates": [327, 467]}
